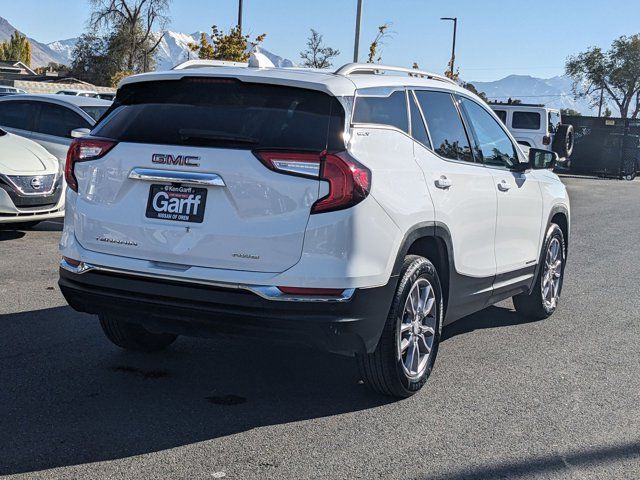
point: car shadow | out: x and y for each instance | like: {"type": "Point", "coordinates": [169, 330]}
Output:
{"type": "Point", "coordinates": [6, 234]}
{"type": "Point", "coordinates": [491, 317]}
{"type": "Point", "coordinates": [68, 397]}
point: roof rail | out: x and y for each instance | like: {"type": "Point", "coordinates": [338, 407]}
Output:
{"type": "Point", "coordinates": [375, 69]}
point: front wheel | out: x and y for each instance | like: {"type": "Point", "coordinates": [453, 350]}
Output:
{"type": "Point", "coordinates": [408, 346]}
{"type": "Point", "coordinates": [543, 299]}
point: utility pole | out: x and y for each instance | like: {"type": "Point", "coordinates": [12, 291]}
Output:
{"type": "Point", "coordinates": [357, 40]}
{"type": "Point", "coordinates": [240, 16]}
{"type": "Point", "coordinates": [453, 48]}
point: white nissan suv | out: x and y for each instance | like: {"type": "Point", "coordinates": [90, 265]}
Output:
{"type": "Point", "coordinates": [358, 211]}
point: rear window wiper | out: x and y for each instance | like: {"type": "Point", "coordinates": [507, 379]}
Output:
{"type": "Point", "coordinates": [192, 134]}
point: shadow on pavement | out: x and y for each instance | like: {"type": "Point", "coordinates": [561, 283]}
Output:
{"type": "Point", "coordinates": [6, 234]}
{"type": "Point", "coordinates": [491, 317]}
{"type": "Point", "coordinates": [69, 397]}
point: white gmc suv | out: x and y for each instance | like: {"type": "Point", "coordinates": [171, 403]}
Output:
{"type": "Point", "coordinates": [358, 211]}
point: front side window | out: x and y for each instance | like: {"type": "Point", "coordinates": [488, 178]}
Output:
{"type": "Point", "coordinates": [382, 109]}
{"type": "Point", "coordinates": [526, 120]}
{"type": "Point", "coordinates": [493, 145]}
{"type": "Point", "coordinates": [18, 115]}
{"type": "Point", "coordinates": [445, 125]}
{"type": "Point", "coordinates": [58, 121]}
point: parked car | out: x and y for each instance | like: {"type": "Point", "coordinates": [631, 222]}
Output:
{"type": "Point", "coordinates": [49, 119]}
{"type": "Point", "coordinates": [78, 93]}
{"type": "Point", "coordinates": [31, 183]}
{"type": "Point", "coordinates": [10, 91]}
{"type": "Point", "coordinates": [358, 211]}
{"type": "Point", "coordinates": [106, 96]}
{"type": "Point", "coordinates": [537, 126]}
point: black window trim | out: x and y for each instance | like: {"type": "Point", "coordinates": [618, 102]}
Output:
{"type": "Point", "coordinates": [500, 125]}
{"type": "Point", "coordinates": [411, 93]}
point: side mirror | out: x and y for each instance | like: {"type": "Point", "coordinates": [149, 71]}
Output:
{"type": "Point", "coordinates": [80, 132]}
{"type": "Point", "coordinates": [542, 159]}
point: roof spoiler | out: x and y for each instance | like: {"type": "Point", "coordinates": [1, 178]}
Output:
{"type": "Point", "coordinates": [256, 60]}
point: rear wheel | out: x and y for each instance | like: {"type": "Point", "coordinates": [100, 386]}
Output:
{"type": "Point", "coordinates": [563, 141]}
{"type": "Point", "coordinates": [543, 299]}
{"type": "Point", "coordinates": [131, 336]}
{"type": "Point", "coordinates": [407, 349]}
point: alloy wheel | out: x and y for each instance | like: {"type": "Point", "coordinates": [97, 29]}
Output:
{"type": "Point", "coordinates": [417, 330]}
{"type": "Point", "coordinates": [552, 274]}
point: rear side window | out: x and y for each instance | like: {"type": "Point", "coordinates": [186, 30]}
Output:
{"type": "Point", "coordinates": [382, 110]}
{"type": "Point", "coordinates": [502, 115]}
{"type": "Point", "coordinates": [445, 125]}
{"type": "Point", "coordinates": [526, 120]}
{"type": "Point", "coordinates": [58, 121]}
{"type": "Point", "coordinates": [224, 113]}
{"type": "Point", "coordinates": [17, 114]}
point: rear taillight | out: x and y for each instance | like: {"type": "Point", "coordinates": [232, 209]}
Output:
{"type": "Point", "coordinates": [546, 140]}
{"type": "Point", "coordinates": [83, 150]}
{"type": "Point", "coordinates": [349, 181]}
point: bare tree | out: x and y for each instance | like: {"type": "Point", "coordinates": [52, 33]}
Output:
{"type": "Point", "coordinates": [317, 55]}
{"type": "Point", "coordinates": [132, 24]}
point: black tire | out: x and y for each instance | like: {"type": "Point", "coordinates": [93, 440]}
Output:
{"type": "Point", "coordinates": [131, 336]}
{"type": "Point", "coordinates": [532, 305]}
{"type": "Point", "coordinates": [563, 141]}
{"type": "Point", "coordinates": [630, 176]}
{"type": "Point", "coordinates": [383, 369]}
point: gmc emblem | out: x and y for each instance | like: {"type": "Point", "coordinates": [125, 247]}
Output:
{"type": "Point", "coordinates": [182, 160]}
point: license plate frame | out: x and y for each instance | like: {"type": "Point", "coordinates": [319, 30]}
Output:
{"type": "Point", "coordinates": [180, 203]}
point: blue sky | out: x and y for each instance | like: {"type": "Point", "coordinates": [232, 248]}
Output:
{"type": "Point", "coordinates": [495, 37]}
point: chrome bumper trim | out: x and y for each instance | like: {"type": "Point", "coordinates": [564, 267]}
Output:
{"type": "Point", "coordinates": [265, 291]}
{"type": "Point", "coordinates": [171, 176]}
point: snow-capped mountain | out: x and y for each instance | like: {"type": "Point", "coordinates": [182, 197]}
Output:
{"type": "Point", "coordinates": [555, 92]}
{"type": "Point", "coordinates": [41, 54]}
{"type": "Point", "coordinates": [172, 50]}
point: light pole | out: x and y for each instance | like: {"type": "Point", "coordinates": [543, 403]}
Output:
{"type": "Point", "coordinates": [357, 40]}
{"type": "Point", "coordinates": [240, 16]}
{"type": "Point", "coordinates": [453, 48]}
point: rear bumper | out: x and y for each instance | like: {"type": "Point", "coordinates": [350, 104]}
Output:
{"type": "Point", "coordinates": [162, 305]}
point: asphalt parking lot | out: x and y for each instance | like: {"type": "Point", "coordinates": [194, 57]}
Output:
{"type": "Point", "coordinates": [507, 399]}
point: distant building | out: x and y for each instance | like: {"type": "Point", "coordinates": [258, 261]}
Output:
{"type": "Point", "coordinates": [13, 68]}
{"type": "Point", "coordinates": [17, 74]}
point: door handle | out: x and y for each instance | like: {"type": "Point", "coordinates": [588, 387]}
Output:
{"type": "Point", "coordinates": [503, 186]}
{"type": "Point", "coordinates": [443, 183]}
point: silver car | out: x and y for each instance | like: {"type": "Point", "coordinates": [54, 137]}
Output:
{"type": "Point", "coordinates": [49, 119]}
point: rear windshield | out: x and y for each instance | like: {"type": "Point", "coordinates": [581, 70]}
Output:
{"type": "Point", "coordinates": [526, 120]}
{"type": "Point", "coordinates": [224, 113]}
{"type": "Point", "coordinates": [95, 112]}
